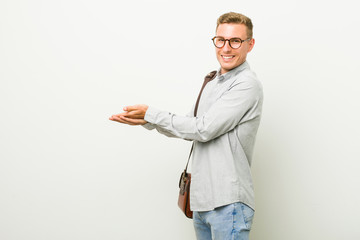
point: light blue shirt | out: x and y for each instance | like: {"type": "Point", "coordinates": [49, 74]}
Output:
{"type": "Point", "coordinates": [224, 133]}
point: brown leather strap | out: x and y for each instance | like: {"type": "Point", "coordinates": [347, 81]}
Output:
{"type": "Point", "coordinates": [207, 79]}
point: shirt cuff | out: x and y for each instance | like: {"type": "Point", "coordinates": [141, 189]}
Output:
{"type": "Point", "coordinates": [151, 115]}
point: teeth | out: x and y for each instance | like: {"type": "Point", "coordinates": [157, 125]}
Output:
{"type": "Point", "coordinates": [228, 57]}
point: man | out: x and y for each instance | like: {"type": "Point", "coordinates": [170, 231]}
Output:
{"type": "Point", "coordinates": [223, 131]}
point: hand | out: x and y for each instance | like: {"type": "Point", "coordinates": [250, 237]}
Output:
{"type": "Point", "coordinates": [133, 115]}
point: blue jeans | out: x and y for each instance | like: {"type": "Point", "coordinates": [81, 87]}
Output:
{"type": "Point", "coordinates": [230, 222]}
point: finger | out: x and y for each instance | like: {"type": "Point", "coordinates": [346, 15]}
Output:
{"type": "Point", "coordinates": [117, 119]}
{"type": "Point", "coordinates": [128, 121]}
{"type": "Point", "coordinates": [132, 121]}
{"type": "Point", "coordinates": [114, 118]}
{"type": "Point", "coordinates": [130, 108]}
{"type": "Point", "coordinates": [137, 107]}
{"type": "Point", "coordinates": [134, 114]}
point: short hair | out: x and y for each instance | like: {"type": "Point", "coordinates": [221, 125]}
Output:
{"type": "Point", "coordinates": [232, 17]}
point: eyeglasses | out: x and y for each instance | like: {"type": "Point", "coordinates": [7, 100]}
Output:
{"type": "Point", "coordinates": [234, 43]}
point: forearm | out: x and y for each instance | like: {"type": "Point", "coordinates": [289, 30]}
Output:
{"type": "Point", "coordinates": [150, 126]}
{"type": "Point", "coordinates": [233, 108]}
{"type": "Point", "coordinates": [190, 128]}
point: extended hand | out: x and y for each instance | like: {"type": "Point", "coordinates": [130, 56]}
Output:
{"type": "Point", "coordinates": [133, 115]}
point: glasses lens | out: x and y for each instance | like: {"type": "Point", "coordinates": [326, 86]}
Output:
{"type": "Point", "coordinates": [235, 42]}
{"type": "Point", "coordinates": [219, 42]}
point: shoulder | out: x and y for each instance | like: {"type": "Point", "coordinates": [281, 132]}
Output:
{"type": "Point", "coordinates": [248, 79]}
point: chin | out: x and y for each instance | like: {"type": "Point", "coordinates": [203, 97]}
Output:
{"type": "Point", "coordinates": [227, 67]}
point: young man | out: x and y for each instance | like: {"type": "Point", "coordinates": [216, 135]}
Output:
{"type": "Point", "coordinates": [224, 130]}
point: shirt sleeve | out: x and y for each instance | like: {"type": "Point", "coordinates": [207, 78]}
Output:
{"type": "Point", "coordinates": [150, 126]}
{"type": "Point", "coordinates": [240, 103]}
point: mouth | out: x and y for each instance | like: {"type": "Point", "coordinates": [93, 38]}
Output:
{"type": "Point", "coordinates": [227, 57]}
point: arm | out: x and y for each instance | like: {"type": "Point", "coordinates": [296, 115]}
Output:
{"type": "Point", "coordinates": [137, 118]}
{"type": "Point", "coordinates": [238, 104]}
{"type": "Point", "coordinates": [150, 126]}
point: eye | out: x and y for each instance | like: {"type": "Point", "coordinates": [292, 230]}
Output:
{"type": "Point", "coordinates": [235, 40]}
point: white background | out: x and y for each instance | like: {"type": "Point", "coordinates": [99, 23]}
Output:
{"type": "Point", "coordinates": [67, 172]}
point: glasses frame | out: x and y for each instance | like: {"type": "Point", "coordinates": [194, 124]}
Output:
{"type": "Point", "coordinates": [241, 41]}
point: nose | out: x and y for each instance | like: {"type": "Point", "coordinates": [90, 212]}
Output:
{"type": "Point", "coordinates": [226, 47]}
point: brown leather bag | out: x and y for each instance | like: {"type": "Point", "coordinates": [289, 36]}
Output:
{"type": "Point", "coordinates": [184, 194]}
{"type": "Point", "coordinates": [185, 178]}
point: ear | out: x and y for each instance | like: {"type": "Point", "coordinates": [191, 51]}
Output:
{"type": "Point", "coordinates": [251, 44]}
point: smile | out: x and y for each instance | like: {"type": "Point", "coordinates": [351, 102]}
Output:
{"type": "Point", "coordinates": [227, 57]}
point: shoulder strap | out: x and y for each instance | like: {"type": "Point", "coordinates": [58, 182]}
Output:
{"type": "Point", "coordinates": [207, 79]}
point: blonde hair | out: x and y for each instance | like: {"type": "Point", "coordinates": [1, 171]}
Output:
{"type": "Point", "coordinates": [232, 17]}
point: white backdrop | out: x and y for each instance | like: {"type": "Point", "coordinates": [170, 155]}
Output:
{"type": "Point", "coordinates": [67, 172]}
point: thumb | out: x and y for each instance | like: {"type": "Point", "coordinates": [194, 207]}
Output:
{"type": "Point", "coordinates": [129, 108]}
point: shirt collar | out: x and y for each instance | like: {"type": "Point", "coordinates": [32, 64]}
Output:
{"type": "Point", "coordinates": [233, 72]}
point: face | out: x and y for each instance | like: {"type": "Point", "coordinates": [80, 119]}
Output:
{"type": "Point", "coordinates": [228, 57]}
